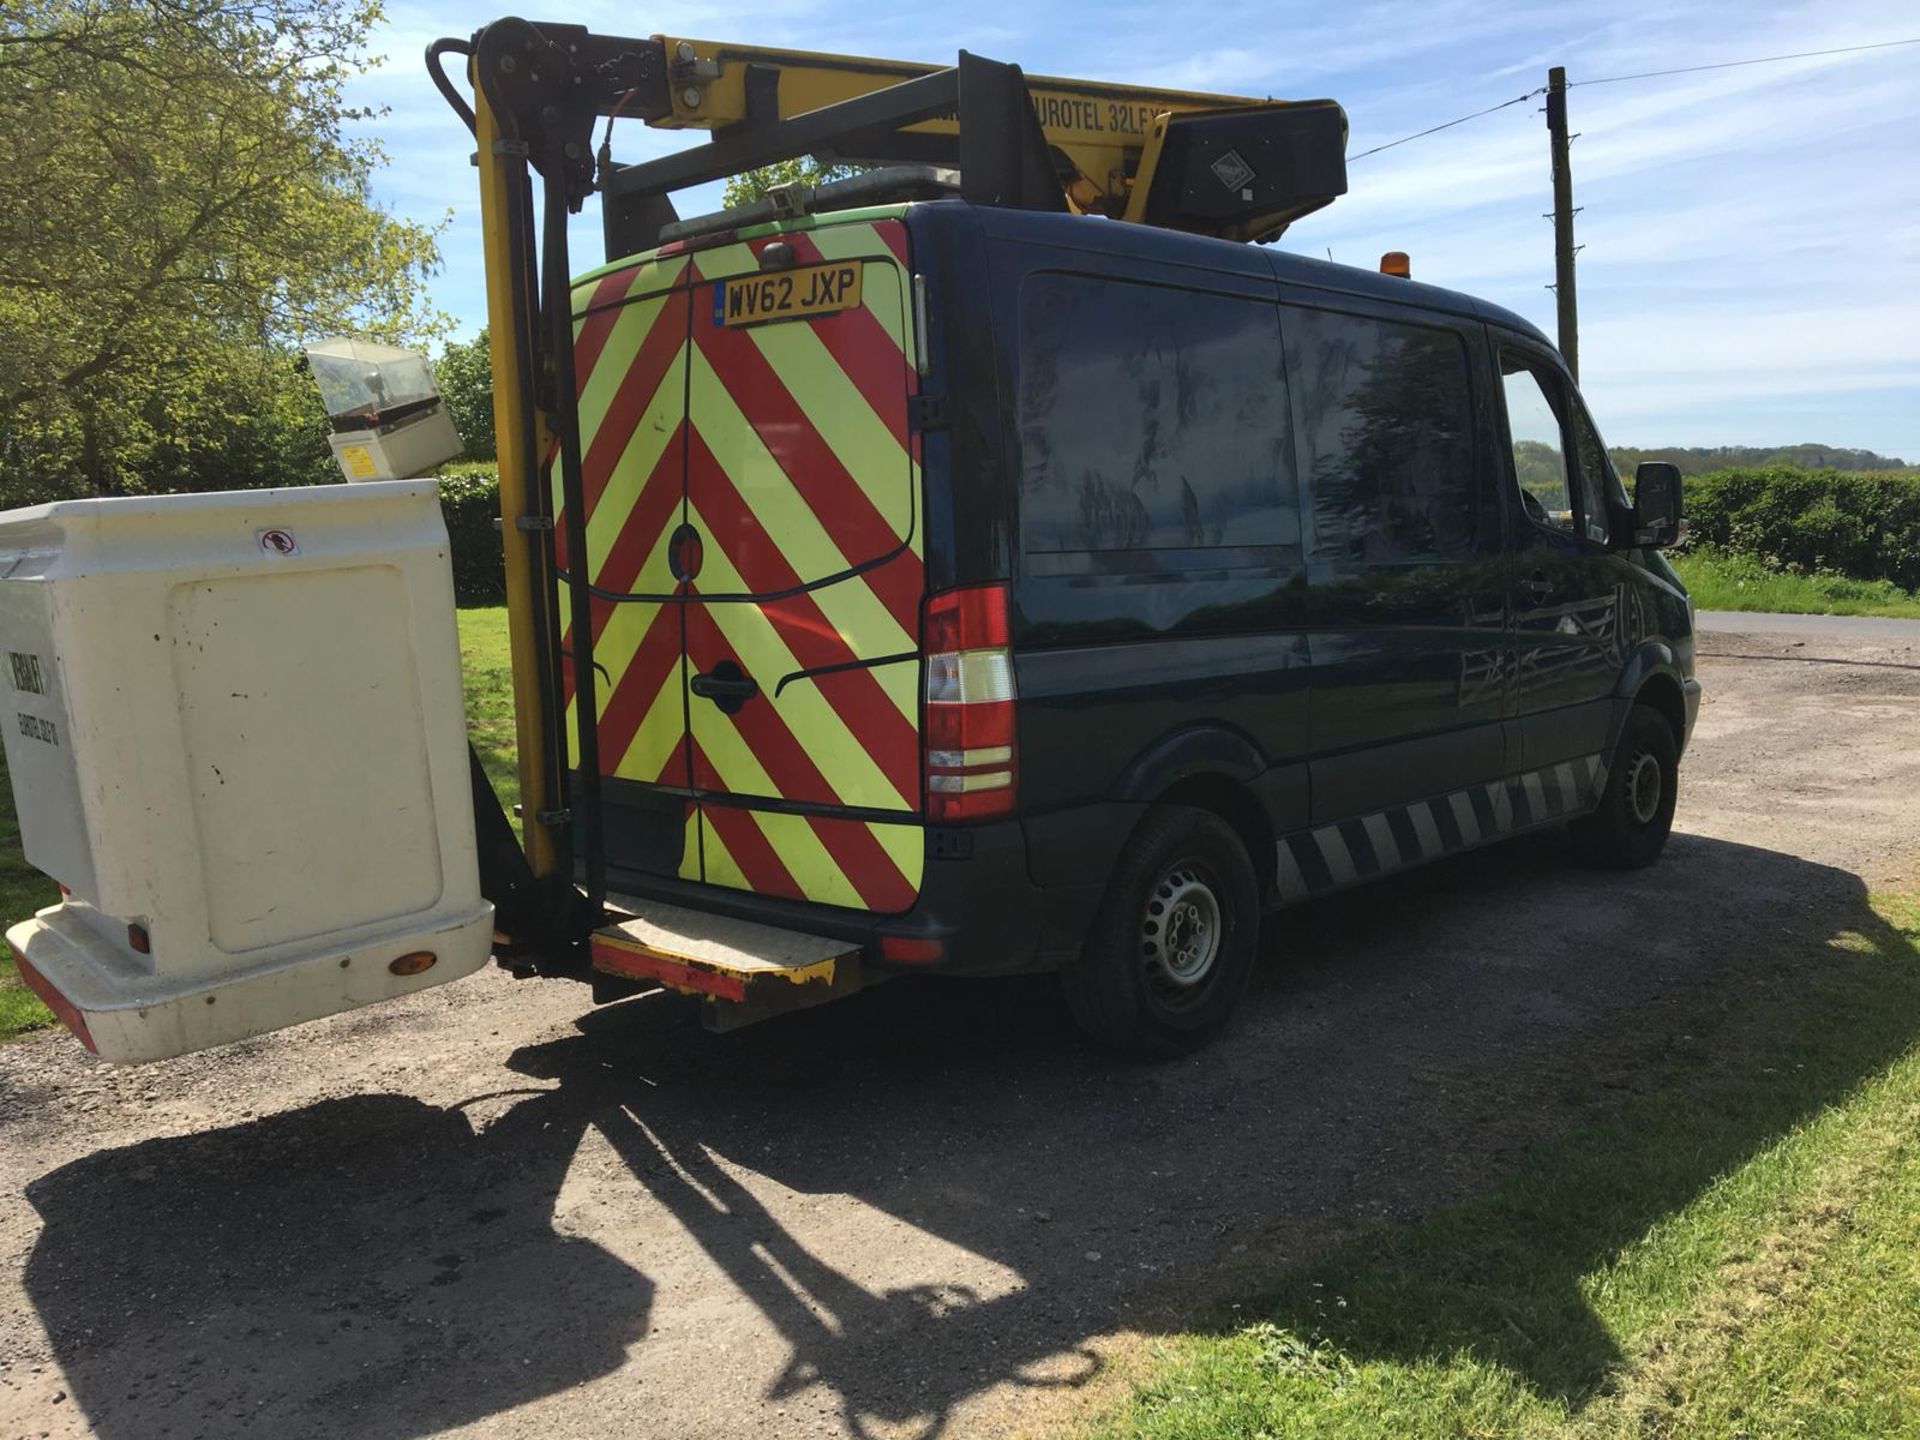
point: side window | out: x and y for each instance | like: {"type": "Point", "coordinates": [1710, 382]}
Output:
{"type": "Point", "coordinates": [1388, 414]}
{"type": "Point", "coordinates": [1596, 480]}
{"type": "Point", "coordinates": [1151, 419]}
{"type": "Point", "coordinates": [1563, 493]}
{"type": "Point", "coordinates": [1539, 459]}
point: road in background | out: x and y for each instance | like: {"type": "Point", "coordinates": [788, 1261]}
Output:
{"type": "Point", "coordinates": [1867, 629]}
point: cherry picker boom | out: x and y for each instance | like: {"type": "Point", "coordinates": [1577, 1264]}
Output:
{"type": "Point", "coordinates": [1235, 167]}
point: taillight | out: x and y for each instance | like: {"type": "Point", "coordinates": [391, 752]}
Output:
{"type": "Point", "coordinates": [969, 725]}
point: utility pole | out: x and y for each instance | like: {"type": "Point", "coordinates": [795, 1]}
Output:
{"type": "Point", "coordinates": [1563, 291]}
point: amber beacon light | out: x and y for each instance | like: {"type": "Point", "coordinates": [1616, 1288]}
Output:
{"type": "Point", "coordinates": [1395, 262]}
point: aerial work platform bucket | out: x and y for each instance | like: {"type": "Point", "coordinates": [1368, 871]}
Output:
{"type": "Point", "coordinates": [236, 740]}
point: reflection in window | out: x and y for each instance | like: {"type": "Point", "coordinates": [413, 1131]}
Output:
{"type": "Point", "coordinates": [1389, 428]}
{"type": "Point", "coordinates": [1150, 419]}
{"type": "Point", "coordinates": [1539, 463]}
{"type": "Point", "coordinates": [1597, 480]}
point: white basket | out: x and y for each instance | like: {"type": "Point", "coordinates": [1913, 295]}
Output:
{"type": "Point", "coordinates": [236, 738]}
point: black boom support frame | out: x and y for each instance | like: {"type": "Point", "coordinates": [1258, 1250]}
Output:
{"type": "Point", "coordinates": [1001, 152]}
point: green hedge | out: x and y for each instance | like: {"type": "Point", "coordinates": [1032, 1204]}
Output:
{"type": "Point", "coordinates": [1861, 524]}
{"type": "Point", "coordinates": [470, 499]}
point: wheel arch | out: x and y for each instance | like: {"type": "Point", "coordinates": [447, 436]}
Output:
{"type": "Point", "coordinates": [1661, 691]}
{"type": "Point", "coordinates": [1194, 750]}
{"type": "Point", "coordinates": [1209, 767]}
{"type": "Point", "coordinates": [1651, 677]}
{"type": "Point", "coordinates": [1236, 804]}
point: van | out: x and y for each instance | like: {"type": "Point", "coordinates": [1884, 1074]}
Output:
{"type": "Point", "coordinates": [1003, 591]}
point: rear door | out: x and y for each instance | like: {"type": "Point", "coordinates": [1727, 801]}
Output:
{"type": "Point", "coordinates": [630, 362]}
{"type": "Point", "coordinates": [804, 487]}
{"type": "Point", "coordinates": [768, 675]}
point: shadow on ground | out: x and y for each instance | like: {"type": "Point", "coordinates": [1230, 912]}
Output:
{"type": "Point", "coordinates": [377, 1267]}
{"type": "Point", "coordinates": [1500, 1280]}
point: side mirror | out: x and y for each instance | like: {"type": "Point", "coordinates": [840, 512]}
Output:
{"type": "Point", "coordinates": [1656, 504]}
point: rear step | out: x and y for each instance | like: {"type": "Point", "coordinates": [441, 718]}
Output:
{"type": "Point", "coordinates": [746, 971]}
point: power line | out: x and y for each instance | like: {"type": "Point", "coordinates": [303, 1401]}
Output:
{"type": "Point", "coordinates": [1435, 130]}
{"type": "Point", "coordinates": [1734, 64]}
{"type": "Point", "coordinates": [1644, 75]}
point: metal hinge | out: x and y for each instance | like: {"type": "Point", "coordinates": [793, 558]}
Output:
{"type": "Point", "coordinates": [533, 522]}
{"type": "Point", "coordinates": [554, 817]}
{"type": "Point", "coordinates": [515, 149]}
{"type": "Point", "coordinates": [927, 412]}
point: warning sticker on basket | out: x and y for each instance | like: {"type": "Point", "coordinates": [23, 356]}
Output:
{"type": "Point", "coordinates": [279, 542]}
{"type": "Point", "coordinates": [29, 677]}
{"type": "Point", "coordinates": [359, 461]}
{"type": "Point", "coordinates": [1232, 170]}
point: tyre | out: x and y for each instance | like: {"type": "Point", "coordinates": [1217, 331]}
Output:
{"type": "Point", "coordinates": [1629, 829]}
{"type": "Point", "coordinates": [1169, 953]}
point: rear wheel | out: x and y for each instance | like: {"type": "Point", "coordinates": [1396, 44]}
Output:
{"type": "Point", "coordinates": [1635, 815]}
{"type": "Point", "coordinates": [1170, 951]}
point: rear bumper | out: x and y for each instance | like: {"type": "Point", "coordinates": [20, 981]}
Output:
{"type": "Point", "coordinates": [978, 899]}
{"type": "Point", "coordinates": [1690, 691]}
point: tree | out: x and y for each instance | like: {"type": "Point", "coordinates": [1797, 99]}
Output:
{"type": "Point", "coordinates": [464, 373]}
{"type": "Point", "coordinates": [182, 203]}
{"type": "Point", "coordinates": [1542, 471]}
{"type": "Point", "coordinates": [1700, 459]}
{"type": "Point", "coordinates": [465, 379]}
{"type": "Point", "coordinates": [746, 188]}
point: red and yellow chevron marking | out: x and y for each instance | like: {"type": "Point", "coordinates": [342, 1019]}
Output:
{"type": "Point", "coordinates": [630, 357]}
{"type": "Point", "coordinates": [786, 447]}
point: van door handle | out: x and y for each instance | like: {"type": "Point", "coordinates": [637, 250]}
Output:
{"type": "Point", "coordinates": [727, 685]}
{"type": "Point", "coordinates": [1538, 587]}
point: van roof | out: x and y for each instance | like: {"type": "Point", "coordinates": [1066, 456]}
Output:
{"type": "Point", "coordinates": [1147, 242]}
{"type": "Point", "coordinates": [1204, 252]}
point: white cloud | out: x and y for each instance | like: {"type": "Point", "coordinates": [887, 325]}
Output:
{"type": "Point", "coordinates": [1752, 250]}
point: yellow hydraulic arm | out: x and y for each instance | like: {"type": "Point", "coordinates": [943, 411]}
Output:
{"type": "Point", "coordinates": [1106, 139]}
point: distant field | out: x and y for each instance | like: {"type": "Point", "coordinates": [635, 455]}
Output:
{"type": "Point", "coordinates": [483, 645]}
{"type": "Point", "coordinates": [1721, 581]}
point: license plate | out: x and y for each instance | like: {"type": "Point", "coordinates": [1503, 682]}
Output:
{"type": "Point", "coordinates": [794, 294]}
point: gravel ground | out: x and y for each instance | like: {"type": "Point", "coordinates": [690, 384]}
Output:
{"type": "Point", "coordinates": [491, 1211]}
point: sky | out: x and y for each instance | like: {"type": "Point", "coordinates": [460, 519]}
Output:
{"type": "Point", "coordinates": [1751, 264]}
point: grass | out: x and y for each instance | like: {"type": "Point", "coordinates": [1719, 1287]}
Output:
{"type": "Point", "coordinates": [486, 670]}
{"type": "Point", "coordinates": [1720, 580]}
{"type": "Point", "coordinates": [1735, 1255]}
{"type": "Point", "coordinates": [23, 890]}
